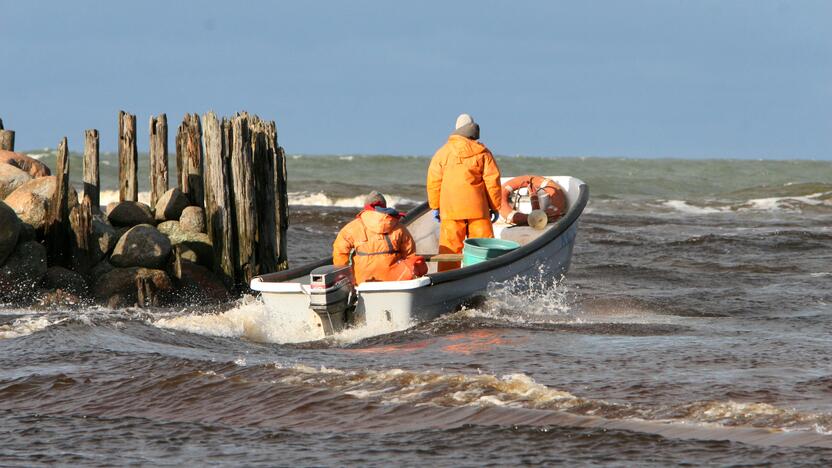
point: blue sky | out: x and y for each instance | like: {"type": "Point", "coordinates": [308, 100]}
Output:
{"type": "Point", "coordinates": [658, 78]}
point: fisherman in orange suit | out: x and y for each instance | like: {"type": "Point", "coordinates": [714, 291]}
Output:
{"type": "Point", "coordinates": [463, 189]}
{"type": "Point", "coordinates": [377, 247]}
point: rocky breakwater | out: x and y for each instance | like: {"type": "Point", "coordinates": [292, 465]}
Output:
{"type": "Point", "coordinates": [131, 254]}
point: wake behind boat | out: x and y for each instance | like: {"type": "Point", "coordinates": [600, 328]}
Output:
{"type": "Point", "coordinates": [322, 298]}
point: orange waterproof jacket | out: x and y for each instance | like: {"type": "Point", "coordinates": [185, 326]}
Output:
{"type": "Point", "coordinates": [375, 241]}
{"type": "Point", "coordinates": [463, 180]}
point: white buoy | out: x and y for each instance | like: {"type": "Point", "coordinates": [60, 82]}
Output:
{"type": "Point", "coordinates": [538, 219]}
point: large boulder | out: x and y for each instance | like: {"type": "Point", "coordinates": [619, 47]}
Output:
{"type": "Point", "coordinates": [102, 268]}
{"type": "Point", "coordinates": [23, 270]}
{"type": "Point", "coordinates": [119, 286]}
{"type": "Point", "coordinates": [195, 242]}
{"type": "Point", "coordinates": [102, 241]}
{"type": "Point", "coordinates": [198, 285]}
{"type": "Point", "coordinates": [32, 199]}
{"type": "Point", "coordinates": [9, 231]}
{"type": "Point", "coordinates": [141, 246]}
{"type": "Point", "coordinates": [65, 280]}
{"type": "Point", "coordinates": [11, 177]}
{"type": "Point", "coordinates": [192, 219]}
{"type": "Point", "coordinates": [31, 166]}
{"type": "Point", "coordinates": [171, 204]}
{"type": "Point", "coordinates": [130, 213]}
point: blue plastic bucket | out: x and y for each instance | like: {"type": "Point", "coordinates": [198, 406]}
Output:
{"type": "Point", "coordinates": [479, 250]}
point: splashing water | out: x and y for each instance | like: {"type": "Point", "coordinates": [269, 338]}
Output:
{"type": "Point", "coordinates": [537, 298]}
{"type": "Point", "coordinates": [252, 320]}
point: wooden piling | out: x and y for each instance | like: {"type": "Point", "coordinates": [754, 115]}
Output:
{"type": "Point", "coordinates": [128, 158]}
{"type": "Point", "coordinates": [189, 159]}
{"type": "Point", "coordinates": [245, 208]}
{"type": "Point", "coordinates": [6, 140]}
{"type": "Point", "coordinates": [282, 198]}
{"type": "Point", "coordinates": [218, 206]}
{"type": "Point", "coordinates": [57, 219]}
{"type": "Point", "coordinates": [158, 157]}
{"type": "Point", "coordinates": [92, 182]}
{"type": "Point", "coordinates": [264, 179]}
{"type": "Point", "coordinates": [80, 223]}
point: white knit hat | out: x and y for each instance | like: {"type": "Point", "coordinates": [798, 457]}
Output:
{"type": "Point", "coordinates": [463, 120]}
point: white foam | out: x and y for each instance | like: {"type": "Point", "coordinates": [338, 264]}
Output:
{"type": "Point", "coordinates": [785, 203]}
{"type": "Point", "coordinates": [685, 207]}
{"type": "Point", "coordinates": [25, 326]}
{"type": "Point", "coordinates": [539, 298]}
{"type": "Point", "coordinates": [253, 321]}
{"type": "Point", "coordinates": [321, 199]}
{"type": "Point", "coordinates": [109, 196]}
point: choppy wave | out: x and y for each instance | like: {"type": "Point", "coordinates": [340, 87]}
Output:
{"type": "Point", "coordinates": [322, 199]}
{"type": "Point", "coordinates": [26, 325]}
{"type": "Point", "coordinates": [398, 386]}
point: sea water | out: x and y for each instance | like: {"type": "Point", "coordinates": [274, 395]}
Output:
{"type": "Point", "coordinates": [695, 326]}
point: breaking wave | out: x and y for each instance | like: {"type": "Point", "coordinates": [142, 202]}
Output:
{"type": "Point", "coordinates": [322, 199]}
{"type": "Point", "coordinates": [398, 386]}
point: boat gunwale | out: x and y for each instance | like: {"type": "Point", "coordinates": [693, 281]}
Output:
{"type": "Point", "coordinates": [561, 226]}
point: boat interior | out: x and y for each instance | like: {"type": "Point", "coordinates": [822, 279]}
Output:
{"type": "Point", "coordinates": [425, 231]}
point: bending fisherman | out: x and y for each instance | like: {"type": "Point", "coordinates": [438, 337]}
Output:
{"type": "Point", "coordinates": [377, 247]}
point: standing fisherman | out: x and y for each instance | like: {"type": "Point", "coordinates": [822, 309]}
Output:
{"type": "Point", "coordinates": [463, 189]}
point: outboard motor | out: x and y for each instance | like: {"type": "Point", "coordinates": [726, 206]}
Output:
{"type": "Point", "coordinates": [331, 295]}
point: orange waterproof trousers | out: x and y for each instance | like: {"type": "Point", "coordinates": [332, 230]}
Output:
{"type": "Point", "coordinates": [452, 232]}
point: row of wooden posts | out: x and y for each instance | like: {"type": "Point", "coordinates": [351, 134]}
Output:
{"type": "Point", "coordinates": [233, 168]}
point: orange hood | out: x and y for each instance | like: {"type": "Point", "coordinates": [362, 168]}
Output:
{"type": "Point", "coordinates": [378, 223]}
{"type": "Point", "coordinates": [465, 148]}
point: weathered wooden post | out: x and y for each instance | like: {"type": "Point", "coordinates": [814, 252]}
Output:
{"type": "Point", "coordinates": [264, 178]}
{"type": "Point", "coordinates": [128, 158]}
{"type": "Point", "coordinates": [218, 206]}
{"type": "Point", "coordinates": [245, 209]}
{"type": "Point", "coordinates": [189, 159]}
{"type": "Point", "coordinates": [80, 223]}
{"type": "Point", "coordinates": [158, 157]}
{"type": "Point", "coordinates": [57, 218]}
{"type": "Point", "coordinates": [6, 138]}
{"type": "Point", "coordinates": [282, 205]}
{"type": "Point", "coordinates": [92, 182]}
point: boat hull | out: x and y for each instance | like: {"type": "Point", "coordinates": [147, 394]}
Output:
{"type": "Point", "coordinates": [396, 305]}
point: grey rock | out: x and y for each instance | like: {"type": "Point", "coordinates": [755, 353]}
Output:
{"type": "Point", "coordinates": [65, 280]}
{"type": "Point", "coordinates": [32, 199]}
{"type": "Point", "coordinates": [192, 219]}
{"type": "Point", "coordinates": [199, 285]}
{"type": "Point", "coordinates": [169, 228]}
{"type": "Point", "coordinates": [130, 213]}
{"type": "Point", "coordinates": [102, 241]}
{"type": "Point", "coordinates": [103, 267]}
{"type": "Point", "coordinates": [9, 231]}
{"type": "Point", "coordinates": [185, 252]}
{"type": "Point", "coordinates": [118, 287]}
{"type": "Point", "coordinates": [27, 233]}
{"type": "Point", "coordinates": [11, 178]}
{"type": "Point", "coordinates": [23, 271]}
{"type": "Point", "coordinates": [141, 246]}
{"type": "Point", "coordinates": [196, 242]}
{"type": "Point", "coordinates": [170, 205]}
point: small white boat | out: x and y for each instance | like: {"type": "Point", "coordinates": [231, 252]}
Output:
{"type": "Point", "coordinates": [321, 298]}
